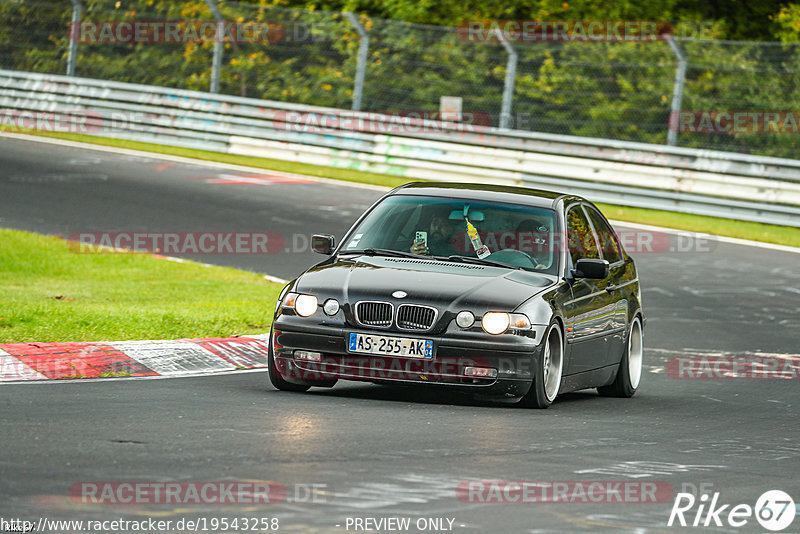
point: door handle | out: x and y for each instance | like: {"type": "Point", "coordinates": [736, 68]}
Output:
{"type": "Point", "coordinates": [611, 288]}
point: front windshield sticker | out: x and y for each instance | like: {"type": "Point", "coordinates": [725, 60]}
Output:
{"type": "Point", "coordinates": [354, 242]}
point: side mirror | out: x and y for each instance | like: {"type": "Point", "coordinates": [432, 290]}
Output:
{"type": "Point", "coordinates": [323, 244]}
{"type": "Point", "coordinates": [592, 268]}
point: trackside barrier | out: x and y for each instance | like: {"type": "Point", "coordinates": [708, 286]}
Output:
{"type": "Point", "coordinates": [722, 184]}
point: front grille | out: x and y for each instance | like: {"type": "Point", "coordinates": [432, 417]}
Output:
{"type": "Point", "coordinates": [414, 317]}
{"type": "Point", "coordinates": [370, 313]}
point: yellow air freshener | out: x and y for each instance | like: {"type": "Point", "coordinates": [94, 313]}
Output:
{"type": "Point", "coordinates": [477, 245]}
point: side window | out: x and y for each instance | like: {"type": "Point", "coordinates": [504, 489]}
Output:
{"type": "Point", "coordinates": [608, 241]}
{"type": "Point", "coordinates": [582, 243]}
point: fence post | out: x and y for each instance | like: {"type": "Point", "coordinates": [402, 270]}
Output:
{"type": "Point", "coordinates": [361, 65]}
{"type": "Point", "coordinates": [677, 92]}
{"type": "Point", "coordinates": [74, 35]}
{"type": "Point", "coordinates": [508, 85]}
{"type": "Point", "coordinates": [219, 46]}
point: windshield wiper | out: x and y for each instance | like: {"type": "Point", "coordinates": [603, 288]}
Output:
{"type": "Point", "coordinates": [383, 252]}
{"type": "Point", "coordinates": [402, 254]}
{"type": "Point", "coordinates": [476, 261]}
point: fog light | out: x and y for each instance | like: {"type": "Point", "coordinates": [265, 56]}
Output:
{"type": "Point", "coordinates": [465, 319]}
{"type": "Point", "coordinates": [308, 355]}
{"type": "Point", "coordinates": [480, 372]}
{"type": "Point", "coordinates": [331, 307]}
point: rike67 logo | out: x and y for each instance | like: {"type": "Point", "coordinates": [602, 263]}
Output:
{"type": "Point", "coordinates": [774, 510]}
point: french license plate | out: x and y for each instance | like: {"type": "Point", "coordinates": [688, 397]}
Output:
{"type": "Point", "coordinates": [390, 346]}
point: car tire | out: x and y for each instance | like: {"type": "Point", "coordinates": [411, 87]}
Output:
{"type": "Point", "coordinates": [629, 374]}
{"type": "Point", "coordinates": [275, 377]}
{"type": "Point", "coordinates": [548, 370]}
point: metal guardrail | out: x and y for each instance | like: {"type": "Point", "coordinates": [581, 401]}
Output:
{"type": "Point", "coordinates": [739, 186]}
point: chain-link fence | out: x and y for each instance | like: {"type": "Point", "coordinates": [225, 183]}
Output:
{"type": "Point", "coordinates": [615, 89]}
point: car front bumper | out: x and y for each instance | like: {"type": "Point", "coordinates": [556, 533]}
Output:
{"type": "Point", "coordinates": [512, 357]}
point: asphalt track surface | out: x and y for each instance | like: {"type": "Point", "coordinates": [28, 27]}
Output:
{"type": "Point", "coordinates": [379, 452]}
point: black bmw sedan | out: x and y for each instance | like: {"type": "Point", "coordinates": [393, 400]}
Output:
{"type": "Point", "coordinates": [509, 293]}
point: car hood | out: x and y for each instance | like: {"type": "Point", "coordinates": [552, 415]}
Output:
{"type": "Point", "coordinates": [446, 285]}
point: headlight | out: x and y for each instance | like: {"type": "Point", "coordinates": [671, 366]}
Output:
{"type": "Point", "coordinates": [331, 307]}
{"type": "Point", "coordinates": [496, 322]}
{"type": "Point", "coordinates": [465, 319]}
{"type": "Point", "coordinates": [303, 305]}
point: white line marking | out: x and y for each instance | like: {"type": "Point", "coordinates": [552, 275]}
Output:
{"type": "Point", "coordinates": [332, 181]}
{"type": "Point", "coordinates": [658, 290]}
{"type": "Point", "coordinates": [188, 161]}
{"type": "Point", "coordinates": [722, 239]}
{"type": "Point", "coordinates": [184, 260]}
{"type": "Point", "coordinates": [706, 353]}
{"type": "Point", "coordinates": [693, 291]}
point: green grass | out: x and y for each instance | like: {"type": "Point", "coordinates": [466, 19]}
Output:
{"type": "Point", "coordinates": [50, 293]}
{"type": "Point", "coordinates": [782, 235]}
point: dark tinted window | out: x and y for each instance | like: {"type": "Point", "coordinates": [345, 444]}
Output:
{"type": "Point", "coordinates": [514, 234]}
{"type": "Point", "coordinates": [582, 243]}
{"type": "Point", "coordinates": [608, 241]}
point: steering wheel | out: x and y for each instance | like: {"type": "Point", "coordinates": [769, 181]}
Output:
{"type": "Point", "coordinates": [515, 257]}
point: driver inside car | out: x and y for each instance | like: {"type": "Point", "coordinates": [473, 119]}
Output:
{"type": "Point", "coordinates": [442, 235]}
{"type": "Point", "coordinates": [532, 239]}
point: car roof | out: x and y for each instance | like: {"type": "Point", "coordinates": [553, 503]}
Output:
{"type": "Point", "coordinates": [473, 191]}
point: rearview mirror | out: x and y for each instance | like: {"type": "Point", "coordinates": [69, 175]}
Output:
{"type": "Point", "coordinates": [592, 268]}
{"type": "Point", "coordinates": [323, 244]}
{"type": "Point", "coordinates": [474, 216]}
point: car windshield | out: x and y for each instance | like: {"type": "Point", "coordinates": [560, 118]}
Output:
{"type": "Point", "coordinates": [513, 235]}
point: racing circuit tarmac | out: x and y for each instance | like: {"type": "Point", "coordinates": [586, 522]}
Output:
{"type": "Point", "coordinates": [372, 452]}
